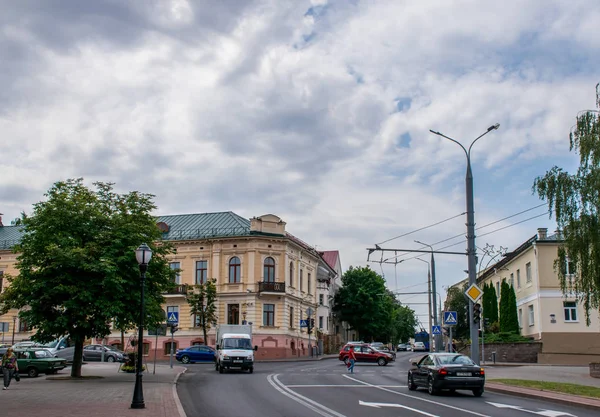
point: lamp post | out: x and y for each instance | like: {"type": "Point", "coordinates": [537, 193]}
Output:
{"type": "Point", "coordinates": [143, 254]}
{"type": "Point", "coordinates": [433, 294]}
{"type": "Point", "coordinates": [429, 301]}
{"type": "Point", "coordinates": [14, 325]}
{"type": "Point", "coordinates": [471, 250]}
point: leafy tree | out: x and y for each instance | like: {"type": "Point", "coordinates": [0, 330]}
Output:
{"type": "Point", "coordinates": [202, 300]}
{"type": "Point", "coordinates": [509, 321]}
{"type": "Point", "coordinates": [77, 266]}
{"type": "Point", "coordinates": [575, 201]}
{"type": "Point", "coordinates": [364, 302]}
{"type": "Point", "coordinates": [457, 301]}
{"type": "Point", "coordinates": [490, 303]}
{"type": "Point", "coordinates": [403, 324]}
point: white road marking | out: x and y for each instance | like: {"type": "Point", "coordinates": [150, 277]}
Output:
{"type": "Point", "coordinates": [379, 405]}
{"type": "Point", "coordinates": [342, 386]}
{"type": "Point", "coordinates": [545, 413]}
{"type": "Point", "coordinates": [418, 398]}
{"type": "Point", "coordinates": [307, 402]}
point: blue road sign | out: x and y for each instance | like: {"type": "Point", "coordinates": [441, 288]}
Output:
{"type": "Point", "coordinates": [436, 329]}
{"type": "Point", "coordinates": [303, 323]}
{"type": "Point", "coordinates": [173, 317]}
{"type": "Point", "coordinates": [450, 318]}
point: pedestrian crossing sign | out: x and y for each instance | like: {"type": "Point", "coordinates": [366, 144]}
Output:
{"type": "Point", "coordinates": [450, 318]}
{"type": "Point", "coordinates": [173, 317]}
{"type": "Point", "coordinates": [436, 330]}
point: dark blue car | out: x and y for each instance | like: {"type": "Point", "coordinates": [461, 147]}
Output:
{"type": "Point", "coordinates": [196, 353]}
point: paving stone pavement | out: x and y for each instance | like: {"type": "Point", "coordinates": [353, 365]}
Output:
{"type": "Point", "coordinates": [108, 395]}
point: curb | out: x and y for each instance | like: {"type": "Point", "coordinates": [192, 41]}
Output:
{"type": "Point", "coordinates": [550, 396]}
{"type": "Point", "coordinates": [296, 359]}
{"type": "Point", "coordinates": [176, 397]}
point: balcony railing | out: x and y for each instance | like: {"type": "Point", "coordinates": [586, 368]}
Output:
{"type": "Point", "coordinates": [271, 286]}
{"type": "Point", "coordinates": [177, 290]}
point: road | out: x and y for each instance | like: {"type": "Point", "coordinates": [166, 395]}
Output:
{"type": "Point", "coordinates": [324, 388]}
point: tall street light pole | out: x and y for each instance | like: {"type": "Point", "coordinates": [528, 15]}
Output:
{"type": "Point", "coordinates": [433, 295]}
{"type": "Point", "coordinates": [471, 249]}
{"type": "Point", "coordinates": [143, 254]}
{"type": "Point", "coordinates": [429, 302]}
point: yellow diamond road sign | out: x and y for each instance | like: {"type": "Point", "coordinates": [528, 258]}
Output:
{"type": "Point", "coordinates": [474, 293]}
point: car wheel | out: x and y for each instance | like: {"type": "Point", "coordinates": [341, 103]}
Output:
{"type": "Point", "coordinates": [411, 383]}
{"type": "Point", "coordinates": [251, 369]}
{"type": "Point", "coordinates": [185, 359]}
{"type": "Point", "coordinates": [32, 372]}
{"type": "Point", "coordinates": [478, 392]}
{"type": "Point", "coordinates": [430, 388]}
{"type": "Point", "coordinates": [381, 361]}
{"type": "Point", "coordinates": [110, 359]}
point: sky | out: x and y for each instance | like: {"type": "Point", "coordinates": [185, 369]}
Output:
{"type": "Point", "coordinates": [316, 111]}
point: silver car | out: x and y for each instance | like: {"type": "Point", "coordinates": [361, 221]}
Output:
{"type": "Point", "coordinates": [111, 354]}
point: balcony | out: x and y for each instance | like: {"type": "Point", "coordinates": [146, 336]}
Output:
{"type": "Point", "coordinates": [177, 289]}
{"type": "Point", "coordinates": [276, 287]}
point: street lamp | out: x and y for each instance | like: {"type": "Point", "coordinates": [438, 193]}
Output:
{"type": "Point", "coordinates": [429, 301]}
{"type": "Point", "coordinates": [143, 254]}
{"type": "Point", "coordinates": [474, 330]}
{"type": "Point", "coordinates": [433, 293]}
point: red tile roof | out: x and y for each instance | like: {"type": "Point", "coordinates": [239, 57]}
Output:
{"type": "Point", "coordinates": [331, 257]}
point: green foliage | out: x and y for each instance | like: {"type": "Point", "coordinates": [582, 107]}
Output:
{"type": "Point", "coordinates": [77, 266]}
{"type": "Point", "coordinates": [371, 309]}
{"type": "Point", "coordinates": [202, 300]}
{"type": "Point", "coordinates": [490, 304]}
{"type": "Point", "coordinates": [504, 337]}
{"type": "Point", "coordinates": [509, 322]}
{"type": "Point", "coordinates": [457, 301]}
{"type": "Point", "coordinates": [575, 201]}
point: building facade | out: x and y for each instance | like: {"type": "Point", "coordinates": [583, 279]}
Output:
{"type": "Point", "coordinates": [545, 313]}
{"type": "Point", "coordinates": [265, 277]}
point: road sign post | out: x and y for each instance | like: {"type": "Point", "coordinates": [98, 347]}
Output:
{"type": "Point", "coordinates": [172, 320]}
{"type": "Point", "coordinates": [450, 320]}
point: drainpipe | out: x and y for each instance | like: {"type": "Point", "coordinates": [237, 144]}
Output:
{"type": "Point", "coordinates": [536, 275]}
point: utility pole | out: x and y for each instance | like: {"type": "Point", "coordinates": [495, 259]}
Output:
{"type": "Point", "coordinates": [438, 338]}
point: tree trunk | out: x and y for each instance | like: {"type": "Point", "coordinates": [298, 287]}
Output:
{"type": "Point", "coordinates": [122, 340]}
{"type": "Point", "coordinates": [204, 329]}
{"type": "Point", "coordinates": [77, 358]}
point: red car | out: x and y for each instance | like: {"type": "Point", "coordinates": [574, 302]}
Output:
{"type": "Point", "coordinates": [365, 353]}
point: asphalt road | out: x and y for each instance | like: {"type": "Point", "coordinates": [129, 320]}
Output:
{"type": "Point", "coordinates": [324, 388]}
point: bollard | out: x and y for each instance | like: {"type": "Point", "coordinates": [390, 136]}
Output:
{"type": "Point", "coordinates": [494, 357]}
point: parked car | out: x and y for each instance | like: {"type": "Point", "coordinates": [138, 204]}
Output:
{"type": "Point", "coordinates": [439, 371]}
{"type": "Point", "coordinates": [35, 361]}
{"type": "Point", "coordinates": [111, 354]}
{"type": "Point", "coordinates": [419, 347]}
{"type": "Point", "coordinates": [196, 353]}
{"type": "Point", "coordinates": [365, 353]}
{"type": "Point", "coordinates": [387, 350]}
{"type": "Point", "coordinates": [26, 344]}
{"type": "Point", "coordinates": [403, 347]}
{"type": "Point", "coordinates": [376, 345]}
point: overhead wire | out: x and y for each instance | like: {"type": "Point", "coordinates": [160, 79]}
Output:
{"type": "Point", "coordinates": [422, 228]}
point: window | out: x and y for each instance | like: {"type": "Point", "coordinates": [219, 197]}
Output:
{"type": "Point", "coordinates": [269, 270]}
{"type": "Point", "coordinates": [301, 280]}
{"type": "Point", "coordinates": [308, 283]}
{"type": "Point", "coordinates": [201, 272]}
{"type": "Point", "coordinates": [321, 299]}
{"type": "Point", "coordinates": [320, 322]}
{"type": "Point", "coordinates": [197, 321]}
{"type": "Point", "coordinates": [520, 317]}
{"type": "Point", "coordinates": [177, 266]}
{"type": "Point", "coordinates": [518, 278]}
{"type": "Point", "coordinates": [146, 347]}
{"type": "Point", "coordinates": [234, 270]}
{"type": "Point", "coordinates": [291, 274]}
{"type": "Point", "coordinates": [291, 317]}
{"type": "Point", "coordinates": [269, 315]}
{"type": "Point", "coordinates": [528, 272]}
{"type": "Point", "coordinates": [512, 279]}
{"type": "Point", "coordinates": [233, 314]}
{"type": "Point", "coordinates": [168, 348]}
{"type": "Point", "coordinates": [531, 316]}
{"type": "Point", "coordinates": [1, 280]}
{"type": "Point", "coordinates": [570, 308]}
{"type": "Point", "coordinates": [23, 326]}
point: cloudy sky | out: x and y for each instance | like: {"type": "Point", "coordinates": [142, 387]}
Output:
{"type": "Point", "coordinates": [317, 111]}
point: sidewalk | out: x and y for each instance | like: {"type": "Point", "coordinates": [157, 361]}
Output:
{"type": "Point", "coordinates": [105, 392]}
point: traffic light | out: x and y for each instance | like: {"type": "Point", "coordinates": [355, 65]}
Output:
{"type": "Point", "coordinates": [476, 313]}
{"type": "Point", "coordinates": [486, 322]}
{"type": "Point", "coordinates": [310, 325]}
{"type": "Point", "coordinates": [174, 328]}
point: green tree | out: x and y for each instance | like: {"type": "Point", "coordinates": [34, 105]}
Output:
{"type": "Point", "coordinates": [575, 202]}
{"type": "Point", "coordinates": [364, 302]}
{"type": "Point", "coordinates": [513, 317]}
{"type": "Point", "coordinates": [509, 322]}
{"type": "Point", "coordinates": [202, 300]}
{"type": "Point", "coordinates": [457, 301]}
{"type": "Point", "coordinates": [493, 300]}
{"type": "Point", "coordinates": [403, 324]}
{"type": "Point", "coordinates": [77, 266]}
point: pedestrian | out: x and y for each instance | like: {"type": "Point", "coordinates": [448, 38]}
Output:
{"type": "Point", "coordinates": [351, 359]}
{"type": "Point", "coordinates": [9, 366]}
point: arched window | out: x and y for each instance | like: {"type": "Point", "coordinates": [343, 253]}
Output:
{"type": "Point", "coordinates": [234, 270]}
{"type": "Point", "coordinates": [291, 274]}
{"type": "Point", "coordinates": [269, 270]}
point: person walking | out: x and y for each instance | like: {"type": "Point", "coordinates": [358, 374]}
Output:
{"type": "Point", "coordinates": [9, 366]}
{"type": "Point", "coordinates": [352, 359]}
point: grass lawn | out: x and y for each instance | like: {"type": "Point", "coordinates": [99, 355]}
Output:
{"type": "Point", "coordinates": [562, 387]}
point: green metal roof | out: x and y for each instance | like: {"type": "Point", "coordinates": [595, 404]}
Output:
{"type": "Point", "coordinates": [204, 225]}
{"type": "Point", "coordinates": [10, 236]}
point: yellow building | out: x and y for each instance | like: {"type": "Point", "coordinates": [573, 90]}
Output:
{"type": "Point", "coordinates": [265, 277]}
{"type": "Point", "coordinates": [545, 313]}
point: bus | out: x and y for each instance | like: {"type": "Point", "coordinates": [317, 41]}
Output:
{"type": "Point", "coordinates": [423, 336]}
